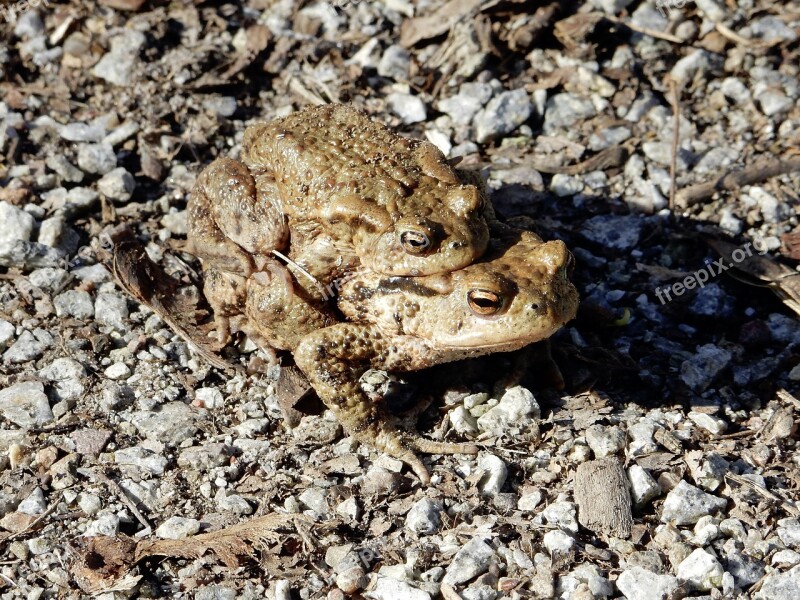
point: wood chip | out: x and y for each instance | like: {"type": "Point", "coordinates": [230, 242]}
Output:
{"type": "Point", "coordinates": [601, 492]}
{"type": "Point", "coordinates": [131, 5]}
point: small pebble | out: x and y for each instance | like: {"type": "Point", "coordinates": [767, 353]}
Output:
{"type": "Point", "coordinates": [686, 504]}
{"type": "Point", "coordinates": [424, 517]}
{"type": "Point", "coordinates": [409, 108]}
{"type": "Point", "coordinates": [176, 528]}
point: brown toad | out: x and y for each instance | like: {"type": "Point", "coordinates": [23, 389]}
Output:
{"type": "Point", "coordinates": [344, 192]}
{"type": "Point", "coordinates": [517, 294]}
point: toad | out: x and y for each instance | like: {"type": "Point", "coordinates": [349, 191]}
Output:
{"type": "Point", "coordinates": [341, 190]}
{"type": "Point", "coordinates": [517, 294]}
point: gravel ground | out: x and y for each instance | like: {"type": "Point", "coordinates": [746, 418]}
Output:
{"type": "Point", "coordinates": [682, 378]}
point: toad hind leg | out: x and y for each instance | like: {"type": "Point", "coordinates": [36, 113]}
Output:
{"type": "Point", "coordinates": [334, 359]}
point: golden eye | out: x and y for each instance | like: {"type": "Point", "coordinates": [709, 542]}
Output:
{"type": "Point", "coordinates": [484, 303]}
{"type": "Point", "coordinates": [415, 242]}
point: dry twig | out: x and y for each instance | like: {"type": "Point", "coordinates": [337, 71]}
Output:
{"type": "Point", "coordinates": [764, 168]}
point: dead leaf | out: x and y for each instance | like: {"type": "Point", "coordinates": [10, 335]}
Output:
{"type": "Point", "coordinates": [125, 257]}
{"type": "Point", "coordinates": [573, 30]}
{"type": "Point", "coordinates": [258, 38]}
{"type": "Point", "coordinates": [438, 22]}
{"type": "Point", "coordinates": [791, 241]}
{"type": "Point", "coordinates": [102, 561]}
{"type": "Point", "coordinates": [782, 280]}
{"type": "Point", "coordinates": [227, 544]}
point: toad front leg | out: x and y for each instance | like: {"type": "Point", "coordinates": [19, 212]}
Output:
{"type": "Point", "coordinates": [233, 227]}
{"type": "Point", "coordinates": [335, 358]}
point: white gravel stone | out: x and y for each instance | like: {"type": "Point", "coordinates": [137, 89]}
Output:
{"type": "Point", "coordinates": [173, 423]}
{"type": "Point", "coordinates": [780, 586]}
{"type": "Point", "coordinates": [176, 528]}
{"type": "Point", "coordinates": [566, 185]}
{"type": "Point", "coordinates": [65, 374]}
{"type": "Point", "coordinates": [408, 107]}
{"type": "Point", "coordinates": [395, 63]}
{"type": "Point", "coordinates": [348, 508]}
{"type": "Point", "coordinates": [611, 7]}
{"type": "Point", "coordinates": [690, 66]}
{"type": "Point", "coordinates": [315, 499]}
{"type": "Point", "coordinates": [700, 571]}
{"type": "Point", "coordinates": [557, 542]}
{"type": "Point", "coordinates": [233, 503]}
{"type": "Point", "coordinates": [111, 309]}
{"type": "Point", "coordinates": [7, 332]}
{"type": "Point", "coordinates": [89, 503]}
{"type": "Point", "coordinates": [34, 504]}
{"type": "Point", "coordinates": [55, 232]}
{"type": "Point", "coordinates": [117, 184]}
{"type": "Point", "coordinates": [96, 158]}
{"type": "Point", "coordinates": [564, 110]}
{"type": "Point", "coordinates": [712, 9]}
{"type": "Point", "coordinates": [503, 114]}
{"type": "Point", "coordinates": [614, 231]}
{"type": "Point", "coordinates": [686, 504]}
{"type": "Point", "coordinates": [516, 410]}
{"type": "Point", "coordinates": [789, 532]}
{"type": "Point", "coordinates": [142, 458]}
{"type": "Point", "coordinates": [637, 583]}
{"type": "Point", "coordinates": [605, 441]}
{"type": "Point", "coordinates": [118, 371]}
{"type": "Point", "coordinates": [107, 525]}
{"type": "Point", "coordinates": [643, 486]}
{"type": "Point", "coordinates": [700, 370]}
{"type": "Point", "coordinates": [29, 346]}
{"type": "Point", "coordinates": [786, 558]}
{"type": "Point", "coordinates": [83, 132]}
{"type": "Point", "coordinates": [710, 423]}
{"type": "Point", "coordinates": [118, 64]}
{"type": "Point", "coordinates": [706, 531]}
{"type": "Point", "coordinates": [49, 279]}
{"type": "Point", "coordinates": [388, 588]}
{"type": "Point", "coordinates": [28, 24]}
{"type": "Point", "coordinates": [593, 578]}
{"type": "Point", "coordinates": [494, 476]}
{"type": "Point", "coordinates": [774, 102]}
{"type": "Point", "coordinates": [424, 517]}
{"type": "Point", "coordinates": [707, 469]}
{"type": "Point", "coordinates": [15, 224]}
{"type": "Point", "coordinates": [471, 98]}
{"type": "Point", "coordinates": [26, 405]}
{"type": "Point", "coordinates": [462, 421]}
{"type": "Point", "coordinates": [210, 397]}
{"type": "Point", "coordinates": [471, 560]}
{"type": "Point", "coordinates": [562, 514]}
{"type": "Point", "coordinates": [282, 591]}
{"type": "Point", "coordinates": [528, 502]}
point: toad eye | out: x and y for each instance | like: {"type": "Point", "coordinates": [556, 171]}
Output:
{"type": "Point", "coordinates": [415, 242]}
{"type": "Point", "coordinates": [484, 303]}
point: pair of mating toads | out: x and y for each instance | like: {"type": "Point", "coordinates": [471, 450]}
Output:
{"type": "Point", "coordinates": [355, 249]}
